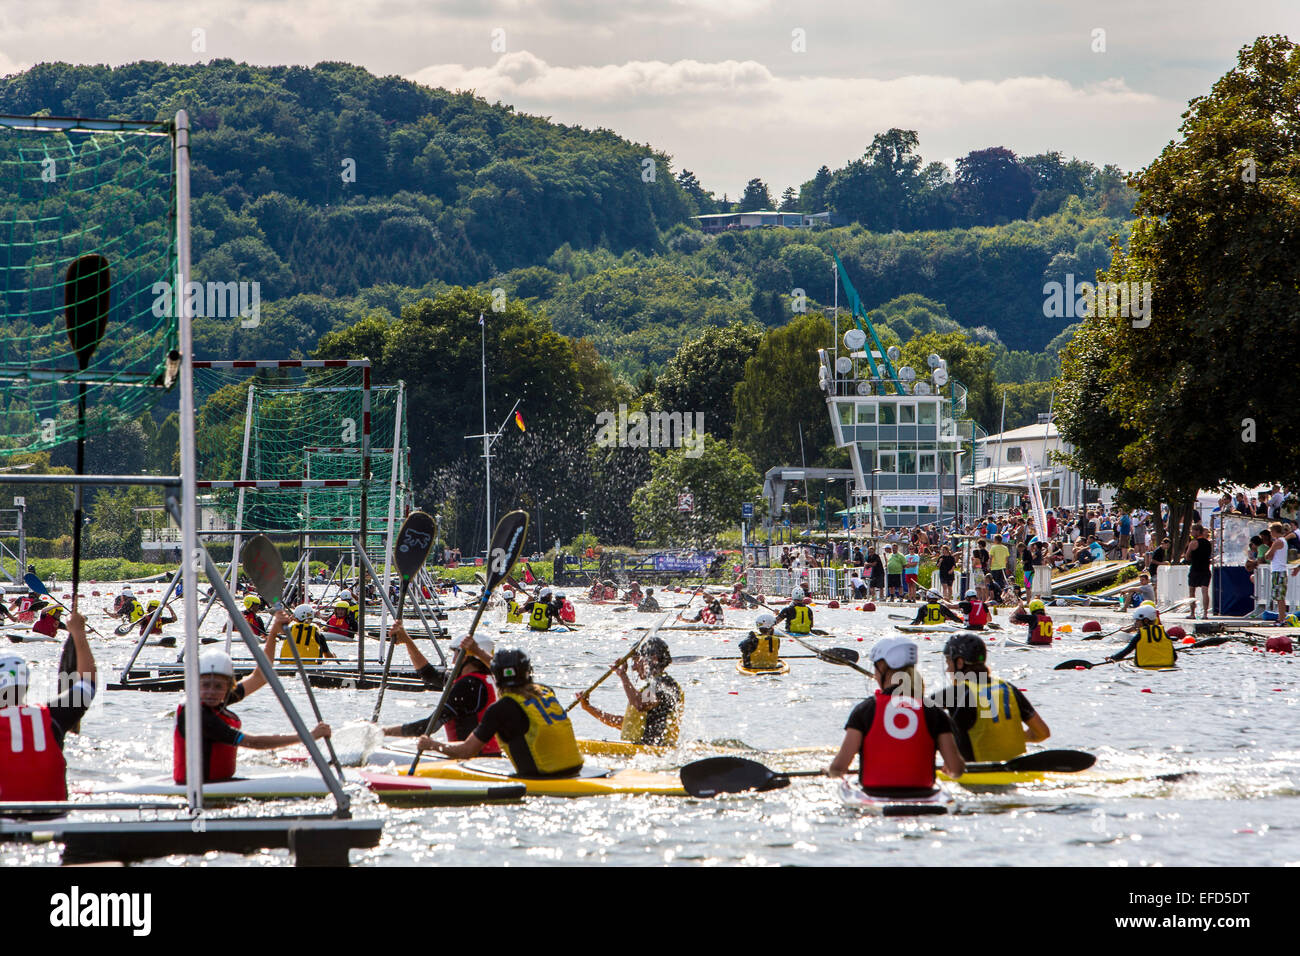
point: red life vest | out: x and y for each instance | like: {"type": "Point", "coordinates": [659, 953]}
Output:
{"type": "Point", "coordinates": [898, 750]}
{"type": "Point", "coordinates": [31, 762]}
{"type": "Point", "coordinates": [338, 623]}
{"type": "Point", "coordinates": [491, 748]}
{"type": "Point", "coordinates": [46, 624]}
{"type": "Point", "coordinates": [708, 617]}
{"type": "Point", "coordinates": [567, 614]}
{"type": "Point", "coordinates": [978, 616]}
{"type": "Point", "coordinates": [255, 623]}
{"type": "Point", "coordinates": [221, 763]}
{"type": "Point", "coordinates": [1040, 630]}
{"type": "Point", "coordinates": [25, 612]}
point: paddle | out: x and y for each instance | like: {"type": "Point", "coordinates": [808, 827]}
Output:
{"type": "Point", "coordinates": [37, 586]}
{"type": "Point", "coordinates": [265, 568]}
{"type": "Point", "coordinates": [1098, 636]}
{"type": "Point", "coordinates": [620, 662]}
{"type": "Point", "coordinates": [1041, 761]}
{"type": "Point", "coordinates": [507, 544]}
{"type": "Point", "coordinates": [836, 655]}
{"type": "Point", "coordinates": [413, 543]}
{"type": "Point", "coordinates": [714, 775]}
{"type": "Point", "coordinates": [86, 294]}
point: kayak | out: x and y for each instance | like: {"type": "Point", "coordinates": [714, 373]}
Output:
{"type": "Point", "coordinates": [782, 668]}
{"type": "Point", "coordinates": [1129, 666]}
{"type": "Point", "coordinates": [928, 628]}
{"type": "Point", "coordinates": [590, 781]}
{"type": "Point", "coordinates": [1022, 778]}
{"type": "Point", "coordinates": [399, 788]}
{"type": "Point", "coordinates": [264, 786]}
{"type": "Point", "coordinates": [904, 803]}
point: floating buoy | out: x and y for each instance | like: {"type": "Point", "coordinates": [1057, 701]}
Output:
{"type": "Point", "coordinates": [1176, 631]}
{"type": "Point", "coordinates": [733, 693]}
{"type": "Point", "coordinates": [869, 606]}
{"type": "Point", "coordinates": [1279, 644]}
{"type": "Point", "coordinates": [1066, 629]}
{"type": "Point", "coordinates": [94, 594]}
{"type": "Point", "coordinates": [859, 640]}
{"type": "Point", "coordinates": [1089, 626]}
{"type": "Point", "coordinates": [1146, 690]}
{"type": "Point", "coordinates": [833, 604]}
{"type": "Point", "coordinates": [1080, 668]}
{"type": "Point", "coordinates": [1189, 640]}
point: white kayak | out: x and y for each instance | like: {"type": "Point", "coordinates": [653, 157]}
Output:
{"type": "Point", "coordinates": [928, 628]}
{"type": "Point", "coordinates": [267, 786]}
{"type": "Point", "coordinates": [904, 803]}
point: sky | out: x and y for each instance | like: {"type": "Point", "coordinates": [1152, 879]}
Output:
{"type": "Point", "coordinates": [730, 89]}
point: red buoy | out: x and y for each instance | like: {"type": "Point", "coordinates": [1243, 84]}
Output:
{"type": "Point", "coordinates": [1089, 626]}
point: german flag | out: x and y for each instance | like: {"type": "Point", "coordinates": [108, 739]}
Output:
{"type": "Point", "coordinates": [519, 420]}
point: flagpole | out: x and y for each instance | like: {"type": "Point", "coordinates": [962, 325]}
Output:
{"type": "Point", "coordinates": [487, 448]}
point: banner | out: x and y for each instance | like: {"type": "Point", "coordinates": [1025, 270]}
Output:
{"type": "Point", "coordinates": [918, 499]}
{"type": "Point", "coordinates": [694, 561]}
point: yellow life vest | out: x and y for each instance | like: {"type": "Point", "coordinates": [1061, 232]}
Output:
{"type": "Point", "coordinates": [998, 733]}
{"type": "Point", "coordinates": [801, 621]}
{"type": "Point", "coordinates": [768, 652]}
{"type": "Point", "coordinates": [540, 618]}
{"type": "Point", "coordinates": [305, 635]}
{"type": "Point", "coordinates": [1154, 649]}
{"type": "Point", "coordinates": [514, 613]}
{"type": "Point", "coordinates": [634, 724]}
{"type": "Point", "coordinates": [137, 611]}
{"type": "Point", "coordinates": [549, 737]}
{"type": "Point", "coordinates": [933, 613]}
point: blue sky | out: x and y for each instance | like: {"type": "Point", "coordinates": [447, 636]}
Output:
{"type": "Point", "coordinates": [730, 88]}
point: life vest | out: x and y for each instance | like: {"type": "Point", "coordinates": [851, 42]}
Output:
{"type": "Point", "coordinates": [567, 613]}
{"type": "Point", "coordinates": [305, 635]}
{"type": "Point", "coordinates": [801, 620]}
{"type": "Point", "coordinates": [25, 612]}
{"type": "Point", "coordinates": [611, 594]}
{"type": "Point", "coordinates": [1040, 630]}
{"type": "Point", "coordinates": [339, 622]}
{"type": "Point", "coordinates": [549, 737]}
{"type": "Point", "coordinates": [46, 624]}
{"type": "Point", "coordinates": [998, 733]}
{"type": "Point", "coordinates": [539, 619]}
{"type": "Point", "coordinates": [596, 593]}
{"type": "Point", "coordinates": [31, 762]}
{"type": "Point", "coordinates": [768, 652]}
{"type": "Point", "coordinates": [633, 729]}
{"type": "Point", "coordinates": [157, 625]}
{"type": "Point", "coordinates": [221, 759]}
{"type": "Point", "coordinates": [898, 750]}
{"type": "Point", "coordinates": [136, 610]}
{"type": "Point", "coordinates": [979, 614]}
{"type": "Point", "coordinates": [1154, 649]}
{"type": "Point", "coordinates": [933, 613]}
{"type": "Point", "coordinates": [491, 748]}
{"type": "Point", "coordinates": [255, 623]}
{"type": "Point", "coordinates": [514, 613]}
{"type": "Point", "coordinates": [708, 617]}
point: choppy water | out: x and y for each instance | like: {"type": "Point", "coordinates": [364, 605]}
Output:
{"type": "Point", "coordinates": [1226, 718]}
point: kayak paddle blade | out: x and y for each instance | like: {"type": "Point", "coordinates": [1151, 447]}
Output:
{"type": "Point", "coordinates": [35, 584]}
{"type": "Point", "coordinates": [714, 775]}
{"type": "Point", "coordinates": [86, 302]}
{"type": "Point", "coordinates": [507, 544]}
{"type": "Point", "coordinates": [413, 543]}
{"type": "Point", "coordinates": [1073, 665]}
{"type": "Point", "coordinates": [845, 654]}
{"type": "Point", "coordinates": [1052, 761]}
{"type": "Point", "coordinates": [265, 568]}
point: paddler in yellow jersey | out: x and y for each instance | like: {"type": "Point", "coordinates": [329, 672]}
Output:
{"type": "Point", "coordinates": [1151, 645]}
{"type": "Point", "coordinates": [934, 611]}
{"type": "Point", "coordinates": [304, 633]}
{"type": "Point", "coordinates": [654, 711]}
{"type": "Point", "coordinates": [540, 612]}
{"type": "Point", "coordinates": [798, 614]}
{"type": "Point", "coordinates": [527, 720]}
{"type": "Point", "coordinates": [761, 650]}
{"type": "Point", "coordinates": [514, 611]}
{"type": "Point", "coordinates": [993, 718]}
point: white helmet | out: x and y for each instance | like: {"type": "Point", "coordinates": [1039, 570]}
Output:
{"type": "Point", "coordinates": [544, 593]}
{"type": "Point", "coordinates": [559, 596]}
{"type": "Point", "coordinates": [796, 593]}
{"type": "Point", "coordinates": [216, 662]}
{"type": "Point", "coordinates": [971, 593]}
{"type": "Point", "coordinates": [303, 612]}
{"type": "Point", "coordinates": [13, 673]}
{"type": "Point", "coordinates": [1144, 613]}
{"type": "Point", "coordinates": [345, 595]}
{"type": "Point", "coordinates": [126, 591]}
{"type": "Point", "coordinates": [934, 595]}
{"type": "Point", "coordinates": [766, 620]}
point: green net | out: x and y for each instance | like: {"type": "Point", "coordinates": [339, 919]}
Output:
{"type": "Point", "coordinates": [298, 425]}
{"type": "Point", "coordinates": [67, 192]}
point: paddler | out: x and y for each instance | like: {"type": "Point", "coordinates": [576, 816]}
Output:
{"type": "Point", "coordinates": [514, 610]}
{"type": "Point", "coordinates": [1151, 645]}
{"type": "Point", "coordinates": [48, 623]}
{"type": "Point", "coordinates": [30, 767]}
{"type": "Point", "coordinates": [654, 711]}
{"type": "Point", "coordinates": [934, 611]}
{"type": "Point", "coordinates": [1039, 633]}
{"type": "Point", "coordinates": [540, 612]}
{"type": "Point", "coordinates": [761, 650]}
{"type": "Point", "coordinates": [893, 734]}
{"type": "Point", "coordinates": [797, 613]}
{"type": "Point", "coordinates": [710, 613]}
{"type": "Point", "coordinates": [649, 604]}
{"type": "Point", "coordinates": [471, 694]}
{"type": "Point", "coordinates": [976, 611]}
{"type": "Point", "coordinates": [343, 618]}
{"type": "Point", "coordinates": [306, 635]}
{"type": "Point", "coordinates": [633, 595]}
{"type": "Point", "coordinates": [528, 721]}
{"type": "Point", "coordinates": [127, 606]}
{"type": "Point", "coordinates": [166, 616]}
{"type": "Point", "coordinates": [565, 608]}
{"type": "Point", "coordinates": [993, 718]}
{"type": "Point", "coordinates": [222, 735]}
{"type": "Point", "coordinates": [252, 604]}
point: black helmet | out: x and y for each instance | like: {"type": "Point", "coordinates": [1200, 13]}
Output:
{"type": "Point", "coordinates": [655, 649]}
{"type": "Point", "coordinates": [968, 647]}
{"type": "Point", "coordinates": [512, 668]}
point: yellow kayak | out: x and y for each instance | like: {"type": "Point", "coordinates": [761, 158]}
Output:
{"type": "Point", "coordinates": [1025, 777]}
{"type": "Point", "coordinates": [623, 748]}
{"type": "Point", "coordinates": [782, 668]}
{"type": "Point", "coordinates": [590, 781]}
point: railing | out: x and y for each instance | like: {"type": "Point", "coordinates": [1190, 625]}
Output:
{"type": "Point", "coordinates": [770, 580]}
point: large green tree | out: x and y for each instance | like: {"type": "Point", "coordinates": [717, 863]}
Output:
{"type": "Point", "coordinates": [720, 479]}
{"type": "Point", "coordinates": [703, 374]}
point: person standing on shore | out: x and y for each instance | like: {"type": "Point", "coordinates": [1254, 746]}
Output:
{"type": "Point", "coordinates": [1197, 556]}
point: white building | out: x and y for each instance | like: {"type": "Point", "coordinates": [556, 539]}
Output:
{"type": "Point", "coordinates": [1001, 478]}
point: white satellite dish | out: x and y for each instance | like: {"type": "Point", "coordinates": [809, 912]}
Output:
{"type": "Point", "coordinates": [894, 353]}
{"type": "Point", "coordinates": [922, 388]}
{"type": "Point", "coordinates": [933, 360]}
{"type": "Point", "coordinates": [854, 339]}
{"type": "Point", "coordinates": [940, 376]}
{"type": "Point", "coordinates": [844, 365]}
{"type": "Point", "coordinates": [864, 388]}
{"type": "Point", "coordinates": [907, 373]}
